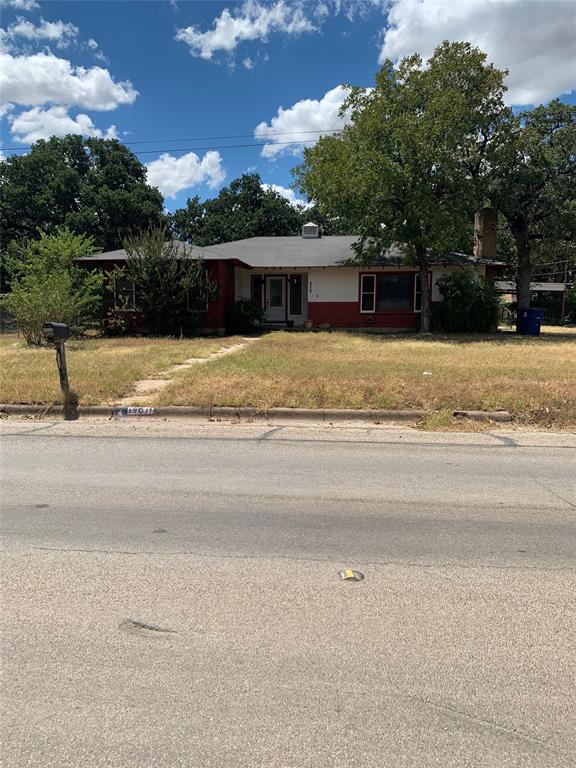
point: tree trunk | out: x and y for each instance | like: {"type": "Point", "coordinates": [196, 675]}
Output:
{"type": "Point", "coordinates": [422, 258]}
{"type": "Point", "coordinates": [523, 270]}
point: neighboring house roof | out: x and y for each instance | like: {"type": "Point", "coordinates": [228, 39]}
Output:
{"type": "Point", "coordinates": [507, 286]}
{"type": "Point", "coordinates": [295, 253]}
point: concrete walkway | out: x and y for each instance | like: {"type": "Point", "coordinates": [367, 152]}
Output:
{"type": "Point", "coordinates": [145, 389]}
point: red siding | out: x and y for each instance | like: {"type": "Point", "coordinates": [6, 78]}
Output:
{"type": "Point", "coordinates": [219, 312]}
{"type": "Point", "coordinates": [346, 314]}
{"type": "Point", "coordinates": [219, 315]}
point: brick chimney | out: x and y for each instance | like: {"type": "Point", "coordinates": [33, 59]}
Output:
{"type": "Point", "coordinates": [485, 222]}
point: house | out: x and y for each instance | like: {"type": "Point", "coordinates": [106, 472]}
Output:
{"type": "Point", "coordinates": [309, 279]}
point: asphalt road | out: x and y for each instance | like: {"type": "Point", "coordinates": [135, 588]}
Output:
{"type": "Point", "coordinates": [171, 597]}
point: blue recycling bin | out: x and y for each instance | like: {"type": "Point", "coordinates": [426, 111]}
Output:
{"type": "Point", "coordinates": [531, 321]}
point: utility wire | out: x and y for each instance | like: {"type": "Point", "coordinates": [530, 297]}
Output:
{"type": "Point", "coordinates": [210, 138]}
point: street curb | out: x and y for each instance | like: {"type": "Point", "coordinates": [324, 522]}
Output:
{"type": "Point", "coordinates": [251, 414]}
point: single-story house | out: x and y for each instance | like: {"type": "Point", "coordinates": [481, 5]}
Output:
{"type": "Point", "coordinates": [309, 279]}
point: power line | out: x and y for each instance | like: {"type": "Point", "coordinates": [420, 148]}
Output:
{"type": "Point", "coordinates": [207, 138]}
{"type": "Point", "coordinates": [205, 149]}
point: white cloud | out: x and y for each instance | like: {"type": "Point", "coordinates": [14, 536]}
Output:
{"type": "Point", "coordinates": [57, 32]}
{"type": "Point", "coordinates": [252, 21]}
{"type": "Point", "coordinates": [288, 193]}
{"type": "Point", "coordinates": [293, 124]}
{"type": "Point", "coordinates": [94, 49]}
{"type": "Point", "coordinates": [248, 63]}
{"type": "Point", "coordinates": [44, 78]}
{"type": "Point", "coordinates": [38, 123]}
{"type": "Point", "coordinates": [534, 39]}
{"type": "Point", "coordinates": [22, 5]}
{"type": "Point", "coordinates": [173, 174]}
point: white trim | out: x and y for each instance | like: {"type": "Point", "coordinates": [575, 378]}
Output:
{"type": "Point", "coordinates": [417, 311]}
{"type": "Point", "coordinates": [373, 292]}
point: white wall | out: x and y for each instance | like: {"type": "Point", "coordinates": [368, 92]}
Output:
{"type": "Point", "coordinates": [333, 284]}
{"type": "Point", "coordinates": [330, 284]}
{"type": "Point", "coordinates": [243, 286]}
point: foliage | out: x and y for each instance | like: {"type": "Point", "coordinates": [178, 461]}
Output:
{"type": "Point", "coordinates": [533, 183]}
{"type": "Point", "coordinates": [408, 168]}
{"type": "Point", "coordinates": [469, 305]}
{"type": "Point", "coordinates": [570, 305]}
{"type": "Point", "coordinates": [241, 210]}
{"type": "Point", "coordinates": [118, 322]}
{"type": "Point", "coordinates": [172, 289]}
{"type": "Point", "coordinates": [95, 187]}
{"type": "Point", "coordinates": [248, 315]}
{"type": "Point", "coordinates": [330, 225]}
{"type": "Point", "coordinates": [47, 287]}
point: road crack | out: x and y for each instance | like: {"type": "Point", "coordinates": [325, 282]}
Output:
{"type": "Point", "coordinates": [292, 558]}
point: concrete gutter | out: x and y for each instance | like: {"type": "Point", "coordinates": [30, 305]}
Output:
{"type": "Point", "coordinates": [249, 414]}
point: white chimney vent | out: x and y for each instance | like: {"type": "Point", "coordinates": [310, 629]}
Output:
{"type": "Point", "coordinates": [310, 231]}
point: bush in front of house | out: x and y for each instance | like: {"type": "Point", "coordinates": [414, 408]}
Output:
{"type": "Point", "coordinates": [173, 291]}
{"type": "Point", "coordinates": [46, 286]}
{"type": "Point", "coordinates": [570, 306]}
{"type": "Point", "coordinates": [469, 304]}
{"type": "Point", "coordinates": [248, 316]}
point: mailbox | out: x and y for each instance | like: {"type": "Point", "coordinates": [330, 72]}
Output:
{"type": "Point", "coordinates": [54, 332]}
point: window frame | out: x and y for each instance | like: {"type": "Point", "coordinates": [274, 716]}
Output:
{"type": "Point", "coordinates": [254, 280]}
{"type": "Point", "coordinates": [417, 302]}
{"type": "Point", "coordinates": [295, 298]}
{"type": "Point", "coordinates": [363, 277]}
{"type": "Point", "coordinates": [416, 293]}
{"type": "Point", "coordinates": [132, 307]}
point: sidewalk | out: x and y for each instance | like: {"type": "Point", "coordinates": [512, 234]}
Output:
{"type": "Point", "coordinates": [512, 438]}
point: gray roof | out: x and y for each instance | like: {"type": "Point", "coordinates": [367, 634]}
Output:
{"type": "Point", "coordinates": [299, 252]}
{"type": "Point", "coordinates": [292, 252]}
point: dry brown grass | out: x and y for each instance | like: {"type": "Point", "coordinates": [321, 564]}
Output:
{"type": "Point", "coordinates": [535, 378]}
{"type": "Point", "coordinates": [100, 370]}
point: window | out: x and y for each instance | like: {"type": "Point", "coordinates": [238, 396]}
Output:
{"type": "Point", "coordinates": [394, 292]}
{"type": "Point", "coordinates": [124, 293]}
{"type": "Point", "coordinates": [257, 290]}
{"type": "Point", "coordinates": [384, 292]}
{"type": "Point", "coordinates": [296, 295]}
{"type": "Point", "coordinates": [368, 293]}
{"type": "Point", "coordinates": [417, 294]}
{"type": "Point", "coordinates": [276, 292]}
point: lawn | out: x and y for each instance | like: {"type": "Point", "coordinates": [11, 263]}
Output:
{"type": "Point", "coordinates": [535, 378]}
{"type": "Point", "coordinates": [100, 370]}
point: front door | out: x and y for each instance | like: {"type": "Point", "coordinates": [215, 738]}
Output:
{"type": "Point", "coordinates": [275, 299]}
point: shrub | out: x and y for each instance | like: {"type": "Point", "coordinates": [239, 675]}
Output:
{"type": "Point", "coordinates": [570, 306]}
{"type": "Point", "coordinates": [248, 315]}
{"type": "Point", "coordinates": [172, 290]}
{"type": "Point", "coordinates": [469, 303]}
{"type": "Point", "coordinates": [47, 287]}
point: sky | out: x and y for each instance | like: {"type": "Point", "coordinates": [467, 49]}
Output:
{"type": "Point", "coordinates": [187, 85]}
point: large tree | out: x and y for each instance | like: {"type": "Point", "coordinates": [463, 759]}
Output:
{"type": "Point", "coordinates": [242, 209]}
{"type": "Point", "coordinates": [408, 167]}
{"type": "Point", "coordinates": [95, 187]}
{"type": "Point", "coordinates": [533, 185]}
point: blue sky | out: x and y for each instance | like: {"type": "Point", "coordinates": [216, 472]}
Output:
{"type": "Point", "coordinates": [265, 71]}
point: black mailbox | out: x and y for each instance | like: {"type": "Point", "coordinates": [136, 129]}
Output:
{"type": "Point", "coordinates": [55, 331]}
